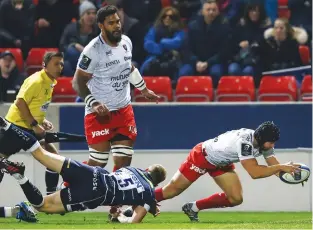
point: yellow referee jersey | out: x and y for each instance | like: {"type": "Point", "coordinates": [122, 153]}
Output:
{"type": "Point", "coordinates": [37, 92]}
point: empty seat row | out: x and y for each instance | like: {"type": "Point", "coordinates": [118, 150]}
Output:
{"type": "Point", "coordinates": [200, 89]}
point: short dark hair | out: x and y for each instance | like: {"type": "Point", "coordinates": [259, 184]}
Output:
{"type": "Point", "coordinates": [49, 55]}
{"type": "Point", "coordinates": [105, 11]}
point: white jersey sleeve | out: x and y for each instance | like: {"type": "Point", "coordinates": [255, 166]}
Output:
{"type": "Point", "coordinates": [244, 147]}
{"type": "Point", "coordinates": [89, 58]}
{"type": "Point", "coordinates": [127, 39]}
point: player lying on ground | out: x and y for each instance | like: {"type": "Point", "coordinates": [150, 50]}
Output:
{"type": "Point", "coordinates": [217, 157]}
{"type": "Point", "coordinates": [22, 211]}
{"type": "Point", "coordinates": [89, 187]}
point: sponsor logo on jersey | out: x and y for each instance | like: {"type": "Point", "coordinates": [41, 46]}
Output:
{"type": "Point", "coordinates": [69, 194]}
{"type": "Point", "coordinates": [84, 62]}
{"type": "Point", "coordinates": [197, 169]}
{"type": "Point", "coordinates": [246, 149]}
{"type": "Point", "coordinates": [95, 181]}
{"type": "Point", "coordinates": [121, 81]}
{"type": "Point", "coordinates": [109, 53]}
{"type": "Point", "coordinates": [45, 106]}
{"type": "Point", "coordinates": [111, 63]}
{"type": "Point", "coordinates": [126, 58]}
{"type": "Point", "coordinates": [125, 47]}
{"type": "Point", "coordinates": [132, 129]}
{"type": "Point", "coordinates": [100, 133]}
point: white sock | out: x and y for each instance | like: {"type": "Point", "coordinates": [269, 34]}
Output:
{"type": "Point", "coordinates": [20, 178]}
{"type": "Point", "coordinates": [194, 207]}
{"type": "Point", "coordinates": [8, 211]}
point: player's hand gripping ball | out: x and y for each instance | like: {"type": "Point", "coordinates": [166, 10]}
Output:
{"type": "Point", "coordinates": [300, 176]}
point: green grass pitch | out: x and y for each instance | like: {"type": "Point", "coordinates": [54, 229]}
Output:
{"type": "Point", "coordinates": [171, 220]}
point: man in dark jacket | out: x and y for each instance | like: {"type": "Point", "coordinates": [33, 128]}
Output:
{"type": "Point", "coordinates": [16, 24]}
{"type": "Point", "coordinates": [208, 43]}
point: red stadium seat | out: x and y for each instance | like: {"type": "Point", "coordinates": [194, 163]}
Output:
{"type": "Point", "coordinates": [166, 3]}
{"type": "Point", "coordinates": [161, 85]}
{"type": "Point", "coordinates": [306, 88]}
{"type": "Point", "coordinates": [283, 11]}
{"type": "Point", "coordinates": [235, 88]}
{"type": "Point", "coordinates": [194, 89]}
{"type": "Point", "coordinates": [278, 89]}
{"type": "Point", "coordinates": [305, 54]}
{"type": "Point", "coordinates": [34, 59]}
{"type": "Point", "coordinates": [63, 91]}
{"type": "Point", "coordinates": [17, 53]}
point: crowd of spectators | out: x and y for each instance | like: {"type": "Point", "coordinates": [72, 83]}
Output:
{"type": "Point", "coordinates": [187, 37]}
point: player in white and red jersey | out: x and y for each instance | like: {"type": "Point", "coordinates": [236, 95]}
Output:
{"type": "Point", "coordinates": [103, 76]}
{"type": "Point", "coordinates": [217, 157]}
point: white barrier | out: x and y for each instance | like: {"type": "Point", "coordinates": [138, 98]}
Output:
{"type": "Point", "coordinates": [269, 194]}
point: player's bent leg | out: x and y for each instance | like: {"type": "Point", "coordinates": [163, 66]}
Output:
{"type": "Point", "coordinates": [122, 151]}
{"type": "Point", "coordinates": [99, 154]}
{"type": "Point", "coordinates": [229, 182]}
{"type": "Point", "coordinates": [232, 196]}
{"type": "Point", "coordinates": [49, 160]}
{"type": "Point", "coordinates": [51, 177]}
{"type": "Point", "coordinates": [52, 204]}
{"type": "Point", "coordinates": [176, 186]}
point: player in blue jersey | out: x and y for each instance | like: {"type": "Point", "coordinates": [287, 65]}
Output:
{"type": "Point", "coordinates": [90, 187]}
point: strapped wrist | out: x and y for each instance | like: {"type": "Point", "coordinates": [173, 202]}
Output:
{"type": "Point", "coordinates": [90, 100]}
{"type": "Point", "coordinates": [136, 80]}
{"type": "Point", "coordinates": [34, 123]}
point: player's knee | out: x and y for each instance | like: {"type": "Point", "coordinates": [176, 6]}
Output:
{"type": "Point", "coordinates": [171, 190]}
{"type": "Point", "coordinates": [44, 207]}
{"type": "Point", "coordinates": [101, 158]}
{"type": "Point", "coordinates": [122, 151]}
{"type": "Point", "coordinates": [235, 199]}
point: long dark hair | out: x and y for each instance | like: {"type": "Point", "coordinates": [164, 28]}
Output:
{"type": "Point", "coordinates": [177, 22]}
{"type": "Point", "coordinates": [263, 19]}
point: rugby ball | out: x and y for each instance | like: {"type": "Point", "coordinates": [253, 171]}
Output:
{"type": "Point", "coordinates": [302, 175]}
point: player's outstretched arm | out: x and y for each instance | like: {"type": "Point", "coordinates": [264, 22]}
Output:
{"type": "Point", "coordinates": [270, 161]}
{"type": "Point", "coordinates": [257, 171]}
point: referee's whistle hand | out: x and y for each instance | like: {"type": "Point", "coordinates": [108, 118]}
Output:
{"type": "Point", "coordinates": [47, 125]}
{"type": "Point", "coordinates": [100, 109]}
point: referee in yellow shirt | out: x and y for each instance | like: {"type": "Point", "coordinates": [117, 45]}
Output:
{"type": "Point", "coordinates": [28, 111]}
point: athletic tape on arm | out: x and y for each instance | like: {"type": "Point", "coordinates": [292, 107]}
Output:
{"type": "Point", "coordinates": [136, 79]}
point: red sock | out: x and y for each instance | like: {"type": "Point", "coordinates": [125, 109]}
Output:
{"type": "Point", "coordinates": [218, 200]}
{"type": "Point", "coordinates": [159, 194]}
{"type": "Point", "coordinates": [115, 168]}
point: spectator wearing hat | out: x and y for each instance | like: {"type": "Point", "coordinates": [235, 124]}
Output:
{"type": "Point", "coordinates": [10, 78]}
{"type": "Point", "coordinates": [77, 35]}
